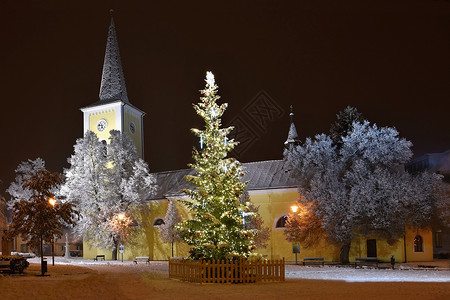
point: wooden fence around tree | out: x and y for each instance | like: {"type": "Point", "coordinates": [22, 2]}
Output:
{"type": "Point", "coordinates": [240, 271]}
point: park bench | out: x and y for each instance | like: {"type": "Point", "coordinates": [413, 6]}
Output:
{"type": "Point", "coordinates": [101, 256]}
{"type": "Point", "coordinates": [313, 261]}
{"type": "Point", "coordinates": [142, 258]}
{"type": "Point", "coordinates": [366, 261]}
{"type": "Point", "coordinates": [5, 265]}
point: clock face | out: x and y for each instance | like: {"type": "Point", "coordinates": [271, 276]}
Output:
{"type": "Point", "coordinates": [101, 125]}
{"type": "Point", "coordinates": [132, 127]}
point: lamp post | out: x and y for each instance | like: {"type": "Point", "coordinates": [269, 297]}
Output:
{"type": "Point", "coordinates": [121, 216]}
{"type": "Point", "coordinates": [296, 247]}
{"type": "Point", "coordinates": [52, 203]}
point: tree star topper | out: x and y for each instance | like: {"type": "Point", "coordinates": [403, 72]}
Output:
{"type": "Point", "coordinates": [210, 78]}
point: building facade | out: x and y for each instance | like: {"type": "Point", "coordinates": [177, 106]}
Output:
{"type": "Point", "coordinates": [270, 187]}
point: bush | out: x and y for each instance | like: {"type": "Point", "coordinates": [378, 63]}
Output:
{"type": "Point", "coordinates": [18, 263]}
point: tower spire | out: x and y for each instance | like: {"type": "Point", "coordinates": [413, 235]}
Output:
{"type": "Point", "coordinates": [292, 138]}
{"type": "Point", "coordinates": [112, 86]}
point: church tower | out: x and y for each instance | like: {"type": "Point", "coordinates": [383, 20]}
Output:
{"type": "Point", "coordinates": [114, 110]}
{"type": "Point", "coordinates": [292, 139]}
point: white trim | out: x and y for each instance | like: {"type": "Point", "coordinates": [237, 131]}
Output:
{"type": "Point", "coordinates": [116, 106]}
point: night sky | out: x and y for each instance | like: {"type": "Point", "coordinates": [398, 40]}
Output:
{"type": "Point", "coordinates": [391, 61]}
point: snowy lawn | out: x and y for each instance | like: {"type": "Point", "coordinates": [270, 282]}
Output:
{"type": "Point", "coordinates": [403, 272]}
{"type": "Point", "coordinates": [85, 279]}
{"type": "Point", "coordinates": [349, 274]}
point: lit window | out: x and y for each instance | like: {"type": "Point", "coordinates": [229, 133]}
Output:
{"type": "Point", "coordinates": [418, 244]}
{"type": "Point", "coordinates": [281, 223]}
{"type": "Point", "coordinates": [158, 222]}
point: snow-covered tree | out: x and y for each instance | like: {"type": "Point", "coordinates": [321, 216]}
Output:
{"type": "Point", "coordinates": [128, 174]}
{"type": "Point", "coordinates": [361, 187]}
{"type": "Point", "coordinates": [168, 231]}
{"type": "Point", "coordinates": [3, 216]}
{"type": "Point", "coordinates": [24, 170]}
{"type": "Point", "coordinates": [253, 221]}
{"type": "Point", "coordinates": [85, 183]}
{"type": "Point", "coordinates": [443, 206]}
{"type": "Point", "coordinates": [344, 124]}
{"type": "Point", "coordinates": [38, 218]}
{"type": "Point", "coordinates": [105, 186]}
{"type": "Point", "coordinates": [217, 229]}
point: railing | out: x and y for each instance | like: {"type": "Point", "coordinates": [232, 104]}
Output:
{"type": "Point", "coordinates": [240, 271]}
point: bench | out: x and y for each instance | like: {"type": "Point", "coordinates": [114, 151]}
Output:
{"type": "Point", "coordinates": [313, 260]}
{"type": "Point", "coordinates": [142, 258]}
{"type": "Point", "coordinates": [102, 257]}
{"type": "Point", "coordinates": [5, 265]}
{"type": "Point", "coordinates": [366, 261]}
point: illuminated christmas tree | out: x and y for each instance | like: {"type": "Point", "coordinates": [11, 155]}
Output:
{"type": "Point", "coordinates": [217, 229]}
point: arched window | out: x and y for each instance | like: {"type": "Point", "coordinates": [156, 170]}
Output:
{"type": "Point", "coordinates": [158, 222]}
{"type": "Point", "coordinates": [281, 223]}
{"type": "Point", "coordinates": [418, 244]}
{"type": "Point", "coordinates": [105, 148]}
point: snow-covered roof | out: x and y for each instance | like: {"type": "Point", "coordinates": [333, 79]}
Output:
{"type": "Point", "coordinates": [270, 174]}
{"type": "Point", "coordinates": [434, 162]}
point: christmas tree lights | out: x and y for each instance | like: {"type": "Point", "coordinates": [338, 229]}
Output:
{"type": "Point", "coordinates": [217, 229]}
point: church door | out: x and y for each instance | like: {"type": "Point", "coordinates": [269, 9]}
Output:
{"type": "Point", "coordinates": [372, 248]}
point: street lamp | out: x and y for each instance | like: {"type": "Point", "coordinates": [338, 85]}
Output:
{"type": "Point", "coordinates": [296, 246]}
{"type": "Point", "coordinates": [121, 216]}
{"type": "Point", "coordinates": [52, 203]}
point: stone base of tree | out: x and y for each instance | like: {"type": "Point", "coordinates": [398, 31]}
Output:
{"type": "Point", "coordinates": [239, 271]}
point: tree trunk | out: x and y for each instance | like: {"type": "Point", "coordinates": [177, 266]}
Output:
{"type": "Point", "coordinates": [172, 249]}
{"type": "Point", "coordinates": [344, 254]}
{"type": "Point", "coordinates": [114, 251]}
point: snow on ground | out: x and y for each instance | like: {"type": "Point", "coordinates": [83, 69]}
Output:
{"type": "Point", "coordinates": [367, 275]}
{"type": "Point", "coordinates": [402, 273]}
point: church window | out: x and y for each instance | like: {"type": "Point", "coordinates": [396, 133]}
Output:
{"type": "Point", "coordinates": [418, 244]}
{"type": "Point", "coordinates": [281, 223]}
{"type": "Point", "coordinates": [158, 222]}
{"type": "Point", "coordinates": [132, 127]}
{"type": "Point", "coordinates": [105, 148]}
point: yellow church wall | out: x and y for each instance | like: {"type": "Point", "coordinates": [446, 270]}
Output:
{"type": "Point", "coordinates": [427, 237]}
{"type": "Point", "coordinates": [136, 136]}
{"type": "Point", "coordinates": [273, 204]}
{"type": "Point", "coordinates": [90, 252]}
{"type": "Point", "coordinates": [110, 117]}
{"type": "Point", "coordinates": [147, 242]}
{"type": "Point", "coordinates": [358, 248]}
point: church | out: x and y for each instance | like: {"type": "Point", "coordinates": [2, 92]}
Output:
{"type": "Point", "coordinates": [270, 187]}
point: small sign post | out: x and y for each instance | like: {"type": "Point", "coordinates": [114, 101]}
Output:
{"type": "Point", "coordinates": [121, 250]}
{"type": "Point", "coordinates": [296, 249]}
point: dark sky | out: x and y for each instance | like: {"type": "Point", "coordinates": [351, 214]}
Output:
{"type": "Point", "coordinates": [390, 59]}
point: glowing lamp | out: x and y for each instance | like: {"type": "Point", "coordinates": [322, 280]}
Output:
{"type": "Point", "coordinates": [294, 208]}
{"type": "Point", "coordinates": [52, 202]}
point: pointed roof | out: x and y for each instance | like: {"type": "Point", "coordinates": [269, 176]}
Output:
{"type": "Point", "coordinates": [292, 134]}
{"type": "Point", "coordinates": [112, 86]}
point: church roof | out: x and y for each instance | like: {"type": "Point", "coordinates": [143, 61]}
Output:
{"type": "Point", "coordinates": [261, 175]}
{"type": "Point", "coordinates": [433, 162]}
{"type": "Point", "coordinates": [112, 87]}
